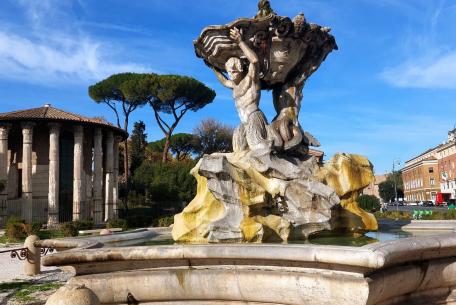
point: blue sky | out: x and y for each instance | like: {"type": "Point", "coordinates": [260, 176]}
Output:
{"type": "Point", "coordinates": [388, 93]}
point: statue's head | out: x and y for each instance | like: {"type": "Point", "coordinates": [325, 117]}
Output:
{"type": "Point", "coordinates": [264, 5]}
{"type": "Point", "coordinates": [234, 68]}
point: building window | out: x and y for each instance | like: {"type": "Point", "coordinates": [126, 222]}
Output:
{"type": "Point", "coordinates": [432, 181]}
{"type": "Point", "coordinates": [431, 170]}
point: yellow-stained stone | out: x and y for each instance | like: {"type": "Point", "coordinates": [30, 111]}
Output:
{"type": "Point", "coordinates": [252, 230]}
{"type": "Point", "coordinates": [191, 225]}
{"type": "Point", "coordinates": [348, 175]}
{"type": "Point", "coordinates": [277, 225]}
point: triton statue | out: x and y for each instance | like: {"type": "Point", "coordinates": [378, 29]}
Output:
{"type": "Point", "coordinates": [251, 133]}
{"type": "Point", "coordinates": [270, 187]}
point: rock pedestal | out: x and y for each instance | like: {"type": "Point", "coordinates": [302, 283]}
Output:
{"type": "Point", "coordinates": [247, 198]}
{"type": "Point", "coordinates": [270, 188]}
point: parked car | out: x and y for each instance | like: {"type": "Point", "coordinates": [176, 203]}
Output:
{"type": "Point", "coordinates": [413, 203]}
{"type": "Point", "coordinates": [428, 203]}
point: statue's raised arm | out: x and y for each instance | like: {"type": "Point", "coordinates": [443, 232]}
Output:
{"type": "Point", "coordinates": [252, 57]}
{"type": "Point", "coordinates": [223, 79]}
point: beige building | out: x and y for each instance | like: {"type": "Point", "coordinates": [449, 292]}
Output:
{"type": "Point", "coordinates": [432, 175]}
{"type": "Point", "coordinates": [421, 180]}
{"type": "Point", "coordinates": [58, 166]}
{"type": "Point", "coordinates": [447, 167]}
{"type": "Point", "coordinates": [372, 189]}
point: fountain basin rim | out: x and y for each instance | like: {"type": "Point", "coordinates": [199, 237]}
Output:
{"type": "Point", "coordinates": [373, 256]}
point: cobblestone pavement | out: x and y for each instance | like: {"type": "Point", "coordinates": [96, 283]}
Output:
{"type": "Point", "coordinates": [14, 282]}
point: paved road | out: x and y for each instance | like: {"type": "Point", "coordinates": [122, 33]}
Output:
{"type": "Point", "coordinates": [415, 207]}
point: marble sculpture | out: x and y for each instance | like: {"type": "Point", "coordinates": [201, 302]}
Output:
{"type": "Point", "coordinates": [270, 188]}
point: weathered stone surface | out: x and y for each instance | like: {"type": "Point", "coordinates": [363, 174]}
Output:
{"type": "Point", "coordinates": [73, 294]}
{"type": "Point", "coordinates": [348, 175]}
{"type": "Point", "coordinates": [270, 188]}
{"type": "Point", "coordinates": [273, 198]}
{"type": "Point", "coordinates": [418, 270]}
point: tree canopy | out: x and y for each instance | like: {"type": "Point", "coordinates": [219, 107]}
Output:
{"type": "Point", "coordinates": [170, 96]}
{"type": "Point", "coordinates": [181, 145]}
{"type": "Point", "coordinates": [138, 143]}
{"type": "Point", "coordinates": [213, 136]}
{"type": "Point", "coordinates": [111, 92]}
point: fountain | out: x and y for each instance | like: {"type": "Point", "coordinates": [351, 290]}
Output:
{"type": "Point", "coordinates": [269, 189]}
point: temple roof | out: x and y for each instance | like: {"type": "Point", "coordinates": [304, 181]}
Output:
{"type": "Point", "coordinates": [49, 113]}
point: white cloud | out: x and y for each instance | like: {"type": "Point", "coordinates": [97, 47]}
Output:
{"type": "Point", "coordinates": [54, 49]}
{"type": "Point", "coordinates": [48, 62]}
{"type": "Point", "coordinates": [430, 72]}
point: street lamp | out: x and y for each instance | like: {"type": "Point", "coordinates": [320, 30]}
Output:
{"type": "Point", "coordinates": [398, 163]}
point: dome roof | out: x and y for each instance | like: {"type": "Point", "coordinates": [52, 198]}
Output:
{"type": "Point", "coordinates": [48, 113]}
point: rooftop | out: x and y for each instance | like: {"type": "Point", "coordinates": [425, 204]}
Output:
{"type": "Point", "coordinates": [49, 113]}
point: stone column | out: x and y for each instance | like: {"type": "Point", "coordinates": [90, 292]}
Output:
{"type": "Point", "coordinates": [4, 129]}
{"type": "Point", "coordinates": [109, 169]}
{"type": "Point", "coordinates": [98, 177]}
{"type": "Point", "coordinates": [115, 193]}
{"type": "Point", "coordinates": [27, 198]}
{"type": "Point", "coordinates": [78, 194]}
{"type": "Point", "coordinates": [53, 195]}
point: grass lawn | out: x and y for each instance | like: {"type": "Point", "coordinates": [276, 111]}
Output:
{"type": "Point", "coordinates": [25, 292]}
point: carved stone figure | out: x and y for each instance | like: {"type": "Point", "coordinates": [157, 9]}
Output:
{"type": "Point", "coordinates": [246, 93]}
{"type": "Point", "coordinates": [270, 187]}
{"type": "Point", "coordinates": [264, 9]}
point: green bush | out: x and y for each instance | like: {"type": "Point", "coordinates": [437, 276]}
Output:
{"type": "Point", "coordinates": [69, 229]}
{"type": "Point", "coordinates": [165, 221]}
{"type": "Point", "coordinates": [32, 229]}
{"type": "Point", "coordinates": [83, 224]}
{"type": "Point", "coordinates": [72, 228]}
{"type": "Point", "coordinates": [167, 184]}
{"type": "Point", "coordinates": [368, 203]}
{"type": "Point", "coordinates": [117, 223]}
{"type": "Point", "coordinates": [14, 228]}
{"type": "Point", "coordinates": [393, 215]}
{"type": "Point", "coordinates": [17, 229]}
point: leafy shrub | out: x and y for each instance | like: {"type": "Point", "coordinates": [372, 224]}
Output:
{"type": "Point", "coordinates": [68, 229]}
{"type": "Point", "coordinates": [167, 184]}
{"type": "Point", "coordinates": [16, 228]}
{"type": "Point", "coordinates": [32, 229]}
{"type": "Point", "coordinates": [165, 221]}
{"type": "Point", "coordinates": [368, 203]}
{"type": "Point", "coordinates": [83, 224]}
{"type": "Point", "coordinates": [117, 223]}
{"type": "Point", "coordinates": [393, 215]}
{"type": "Point", "coordinates": [72, 228]}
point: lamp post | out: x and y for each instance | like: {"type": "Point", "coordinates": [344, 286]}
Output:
{"type": "Point", "coordinates": [398, 163]}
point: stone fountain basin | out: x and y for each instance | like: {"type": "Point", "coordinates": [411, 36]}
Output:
{"type": "Point", "coordinates": [417, 270]}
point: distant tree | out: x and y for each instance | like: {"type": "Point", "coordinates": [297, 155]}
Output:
{"type": "Point", "coordinates": [368, 203]}
{"type": "Point", "coordinates": [213, 136]}
{"type": "Point", "coordinates": [110, 92]}
{"type": "Point", "coordinates": [386, 190]}
{"type": "Point", "coordinates": [154, 150]}
{"type": "Point", "coordinates": [171, 96]}
{"type": "Point", "coordinates": [138, 143]}
{"type": "Point", "coordinates": [396, 177]}
{"type": "Point", "coordinates": [181, 145]}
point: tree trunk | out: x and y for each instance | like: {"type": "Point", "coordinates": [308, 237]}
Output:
{"type": "Point", "coordinates": [126, 168]}
{"type": "Point", "coordinates": [166, 148]}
